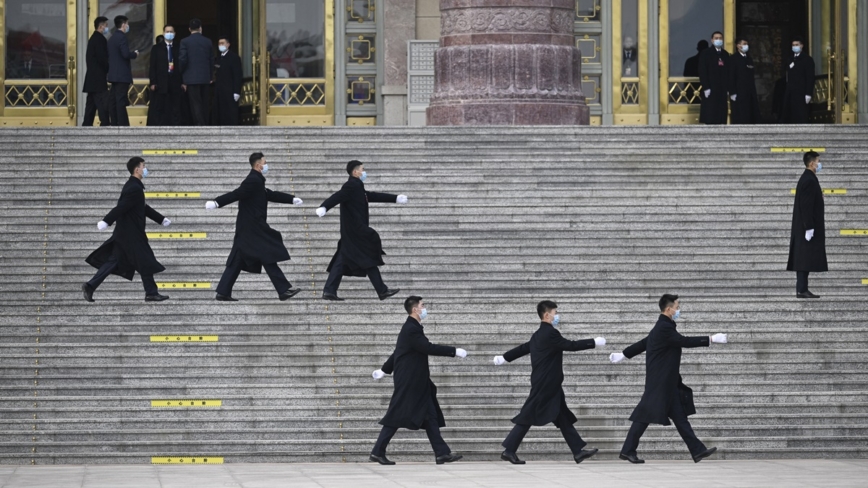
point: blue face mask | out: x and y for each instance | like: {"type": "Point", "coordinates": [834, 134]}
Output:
{"type": "Point", "coordinates": [106, 30]}
{"type": "Point", "coordinates": [797, 49]}
{"type": "Point", "coordinates": [819, 167]}
{"type": "Point", "coordinates": [144, 172]}
{"type": "Point", "coordinates": [265, 168]}
{"type": "Point", "coordinates": [169, 36]}
{"type": "Point", "coordinates": [364, 176]}
{"type": "Point", "coordinates": [423, 314]}
{"type": "Point", "coordinates": [126, 29]}
{"type": "Point", "coordinates": [556, 320]}
{"type": "Point", "coordinates": [717, 42]}
{"type": "Point", "coordinates": [223, 49]}
{"type": "Point", "coordinates": [744, 48]}
{"type": "Point", "coordinates": [677, 314]}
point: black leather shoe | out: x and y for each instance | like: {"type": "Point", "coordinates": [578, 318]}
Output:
{"type": "Point", "coordinates": [156, 298]}
{"type": "Point", "coordinates": [704, 454]}
{"type": "Point", "coordinates": [88, 292]}
{"type": "Point", "coordinates": [632, 458]}
{"type": "Point", "coordinates": [289, 294]}
{"type": "Point", "coordinates": [511, 457]}
{"type": "Point", "coordinates": [584, 454]}
{"type": "Point", "coordinates": [388, 293]}
{"type": "Point", "coordinates": [806, 294]}
{"type": "Point", "coordinates": [331, 297]}
{"type": "Point", "coordinates": [447, 458]}
{"type": "Point", "coordinates": [224, 298]}
{"type": "Point", "coordinates": [381, 459]}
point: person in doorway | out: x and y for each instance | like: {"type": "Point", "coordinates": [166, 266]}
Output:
{"type": "Point", "coordinates": [800, 85]}
{"type": "Point", "coordinates": [742, 86]}
{"type": "Point", "coordinates": [120, 73]}
{"type": "Point", "coordinates": [714, 78]}
{"type": "Point", "coordinates": [808, 231]}
{"type": "Point", "coordinates": [165, 81]}
{"type": "Point", "coordinates": [95, 81]}
{"type": "Point", "coordinates": [195, 59]}
{"type": "Point", "coordinates": [227, 84]}
{"type": "Point", "coordinates": [691, 64]}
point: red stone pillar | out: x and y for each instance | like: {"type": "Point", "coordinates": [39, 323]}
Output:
{"type": "Point", "coordinates": [507, 62]}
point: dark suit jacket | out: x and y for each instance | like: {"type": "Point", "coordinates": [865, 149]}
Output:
{"type": "Point", "coordinates": [119, 56]}
{"type": "Point", "coordinates": [97, 64]}
{"type": "Point", "coordinates": [159, 69]}
{"type": "Point", "coordinates": [195, 60]}
{"type": "Point", "coordinates": [227, 73]}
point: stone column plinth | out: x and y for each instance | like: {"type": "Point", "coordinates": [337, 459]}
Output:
{"type": "Point", "coordinates": [507, 62]}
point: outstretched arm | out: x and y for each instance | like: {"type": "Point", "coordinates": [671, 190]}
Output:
{"type": "Point", "coordinates": [636, 349]}
{"type": "Point", "coordinates": [374, 197]}
{"type": "Point", "coordinates": [517, 352]}
{"type": "Point", "coordinates": [125, 202]}
{"type": "Point", "coordinates": [153, 214]}
{"type": "Point", "coordinates": [335, 200]}
{"type": "Point", "coordinates": [278, 196]}
{"type": "Point", "coordinates": [233, 196]}
{"type": "Point", "coordinates": [420, 343]}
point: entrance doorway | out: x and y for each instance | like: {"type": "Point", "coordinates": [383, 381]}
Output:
{"type": "Point", "coordinates": [219, 18]}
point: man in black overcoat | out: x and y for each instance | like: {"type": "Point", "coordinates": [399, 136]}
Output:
{"type": "Point", "coordinates": [360, 250]}
{"type": "Point", "coordinates": [800, 85]}
{"type": "Point", "coordinates": [666, 397]}
{"type": "Point", "coordinates": [414, 402]}
{"type": "Point", "coordinates": [547, 402]}
{"type": "Point", "coordinates": [95, 84]}
{"type": "Point", "coordinates": [127, 250]}
{"type": "Point", "coordinates": [808, 234]}
{"type": "Point", "coordinates": [714, 78]}
{"type": "Point", "coordinates": [120, 73]}
{"type": "Point", "coordinates": [227, 85]}
{"type": "Point", "coordinates": [165, 81]}
{"type": "Point", "coordinates": [742, 87]}
{"type": "Point", "coordinates": [256, 244]}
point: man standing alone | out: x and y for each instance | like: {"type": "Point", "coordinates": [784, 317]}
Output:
{"type": "Point", "coordinates": [808, 234]}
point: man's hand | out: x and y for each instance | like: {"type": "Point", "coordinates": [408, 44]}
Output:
{"type": "Point", "coordinates": [210, 205]}
{"type": "Point", "coordinates": [183, 87]}
{"type": "Point", "coordinates": [616, 357]}
{"type": "Point", "coordinates": [499, 360]}
{"type": "Point", "coordinates": [718, 338]}
{"type": "Point", "coordinates": [809, 234]}
{"type": "Point", "coordinates": [153, 87]}
{"type": "Point", "coordinates": [378, 374]}
{"type": "Point", "coordinates": [733, 97]}
{"type": "Point", "coordinates": [807, 99]}
{"type": "Point", "coordinates": [708, 93]}
{"type": "Point", "coordinates": [402, 199]}
{"type": "Point", "coordinates": [166, 222]}
{"type": "Point", "coordinates": [101, 225]}
{"type": "Point", "coordinates": [460, 353]}
{"type": "Point", "coordinates": [599, 341]}
{"type": "Point", "coordinates": [297, 201]}
{"type": "Point", "coordinates": [236, 96]}
{"type": "Point", "coordinates": [320, 212]}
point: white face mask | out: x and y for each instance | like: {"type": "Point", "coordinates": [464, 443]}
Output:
{"type": "Point", "coordinates": [223, 49]}
{"type": "Point", "coordinates": [744, 48]}
{"type": "Point", "coordinates": [169, 36]}
{"type": "Point", "coordinates": [423, 314]}
{"type": "Point", "coordinates": [265, 168]}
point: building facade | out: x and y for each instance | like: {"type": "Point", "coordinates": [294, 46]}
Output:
{"type": "Point", "coordinates": [370, 62]}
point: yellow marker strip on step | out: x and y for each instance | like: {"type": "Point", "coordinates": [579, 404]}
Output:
{"type": "Point", "coordinates": [797, 149]}
{"type": "Point", "coordinates": [179, 338]}
{"type": "Point", "coordinates": [186, 403]}
{"type": "Point", "coordinates": [186, 460]}
{"type": "Point", "coordinates": [172, 194]}
{"type": "Point", "coordinates": [177, 235]}
{"type": "Point", "coordinates": [170, 152]}
{"type": "Point", "coordinates": [865, 281]}
{"type": "Point", "coordinates": [199, 285]}
{"type": "Point", "coordinates": [828, 191]}
{"type": "Point", "coordinates": [854, 232]}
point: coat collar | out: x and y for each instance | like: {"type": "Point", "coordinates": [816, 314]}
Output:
{"type": "Point", "coordinates": [136, 181]}
{"type": "Point", "coordinates": [257, 173]}
{"type": "Point", "coordinates": [543, 324]}
{"type": "Point", "coordinates": [664, 318]}
{"type": "Point", "coordinates": [412, 321]}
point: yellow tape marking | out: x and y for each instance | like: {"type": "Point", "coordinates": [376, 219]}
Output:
{"type": "Point", "coordinates": [854, 232]}
{"type": "Point", "coordinates": [830, 191]}
{"type": "Point", "coordinates": [177, 235]}
{"type": "Point", "coordinates": [202, 338]}
{"type": "Point", "coordinates": [186, 460]}
{"type": "Point", "coordinates": [865, 281]}
{"type": "Point", "coordinates": [172, 194]}
{"type": "Point", "coordinates": [163, 152]}
{"type": "Point", "coordinates": [797, 149]}
{"type": "Point", "coordinates": [200, 285]}
{"type": "Point", "coordinates": [186, 403]}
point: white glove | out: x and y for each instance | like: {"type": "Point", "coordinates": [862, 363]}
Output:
{"type": "Point", "coordinates": [101, 225]}
{"type": "Point", "coordinates": [809, 234]}
{"type": "Point", "coordinates": [402, 199]}
{"type": "Point", "coordinates": [733, 97]}
{"type": "Point", "coordinates": [498, 360]}
{"type": "Point", "coordinates": [297, 201]}
{"type": "Point", "coordinates": [708, 93]}
{"type": "Point", "coordinates": [616, 357]}
{"type": "Point", "coordinates": [210, 205]}
{"type": "Point", "coordinates": [236, 96]}
{"type": "Point", "coordinates": [807, 99]}
{"type": "Point", "coordinates": [166, 222]}
{"type": "Point", "coordinates": [719, 338]}
{"type": "Point", "coordinates": [320, 212]}
{"type": "Point", "coordinates": [378, 374]}
{"type": "Point", "coordinates": [599, 341]}
{"type": "Point", "coordinates": [461, 353]}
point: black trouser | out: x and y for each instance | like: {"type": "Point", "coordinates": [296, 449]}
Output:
{"type": "Point", "coordinates": [106, 269]}
{"type": "Point", "coordinates": [337, 273]}
{"type": "Point", "coordinates": [227, 281]}
{"type": "Point", "coordinates": [574, 440]}
{"type": "Point", "coordinates": [165, 108]}
{"type": "Point", "coordinates": [801, 281]}
{"type": "Point", "coordinates": [96, 103]}
{"type": "Point", "coordinates": [121, 99]}
{"type": "Point", "coordinates": [198, 97]}
{"type": "Point", "coordinates": [431, 428]}
{"type": "Point", "coordinates": [679, 418]}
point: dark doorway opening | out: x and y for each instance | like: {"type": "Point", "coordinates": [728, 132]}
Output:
{"type": "Point", "coordinates": [219, 18]}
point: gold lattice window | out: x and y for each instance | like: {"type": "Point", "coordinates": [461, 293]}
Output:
{"type": "Point", "coordinates": [36, 95]}
{"type": "Point", "coordinates": [296, 93]}
{"type": "Point", "coordinates": [684, 92]}
{"type": "Point", "coordinates": [629, 92]}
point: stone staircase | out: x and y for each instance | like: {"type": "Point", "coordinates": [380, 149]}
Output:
{"type": "Point", "coordinates": [602, 220]}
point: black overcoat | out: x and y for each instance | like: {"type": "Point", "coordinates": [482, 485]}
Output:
{"type": "Point", "coordinates": [413, 386]}
{"type": "Point", "coordinates": [158, 72]}
{"type": "Point", "coordinates": [360, 247]}
{"type": "Point", "coordinates": [255, 242]}
{"type": "Point", "coordinates": [714, 74]}
{"type": "Point", "coordinates": [129, 242]}
{"type": "Point", "coordinates": [663, 385]}
{"type": "Point", "coordinates": [800, 83]}
{"type": "Point", "coordinates": [547, 402]}
{"type": "Point", "coordinates": [227, 82]}
{"type": "Point", "coordinates": [742, 77]}
{"type": "Point", "coordinates": [808, 213]}
{"type": "Point", "coordinates": [96, 58]}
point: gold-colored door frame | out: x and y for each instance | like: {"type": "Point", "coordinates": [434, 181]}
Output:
{"type": "Point", "coordinates": [630, 88]}
{"type": "Point", "coordinates": [17, 89]}
{"type": "Point", "coordinates": [829, 89]}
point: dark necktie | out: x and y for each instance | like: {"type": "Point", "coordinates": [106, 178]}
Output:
{"type": "Point", "coordinates": [170, 58]}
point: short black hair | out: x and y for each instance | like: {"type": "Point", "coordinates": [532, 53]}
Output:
{"type": "Point", "coordinates": [741, 39]}
{"type": "Point", "coordinates": [810, 157]}
{"type": "Point", "coordinates": [159, 39]}
{"type": "Point", "coordinates": [98, 21]}
{"type": "Point", "coordinates": [799, 39]}
{"type": "Point", "coordinates": [702, 45]}
{"type": "Point", "coordinates": [134, 163]}
{"type": "Point", "coordinates": [411, 302]}
{"type": "Point", "coordinates": [716, 33]}
{"type": "Point", "coordinates": [255, 157]}
{"type": "Point", "coordinates": [168, 25]}
{"type": "Point", "coordinates": [195, 24]}
{"type": "Point", "coordinates": [120, 20]}
{"type": "Point", "coordinates": [352, 165]}
{"type": "Point", "coordinates": [545, 306]}
{"type": "Point", "coordinates": [224, 38]}
{"type": "Point", "coordinates": [667, 300]}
